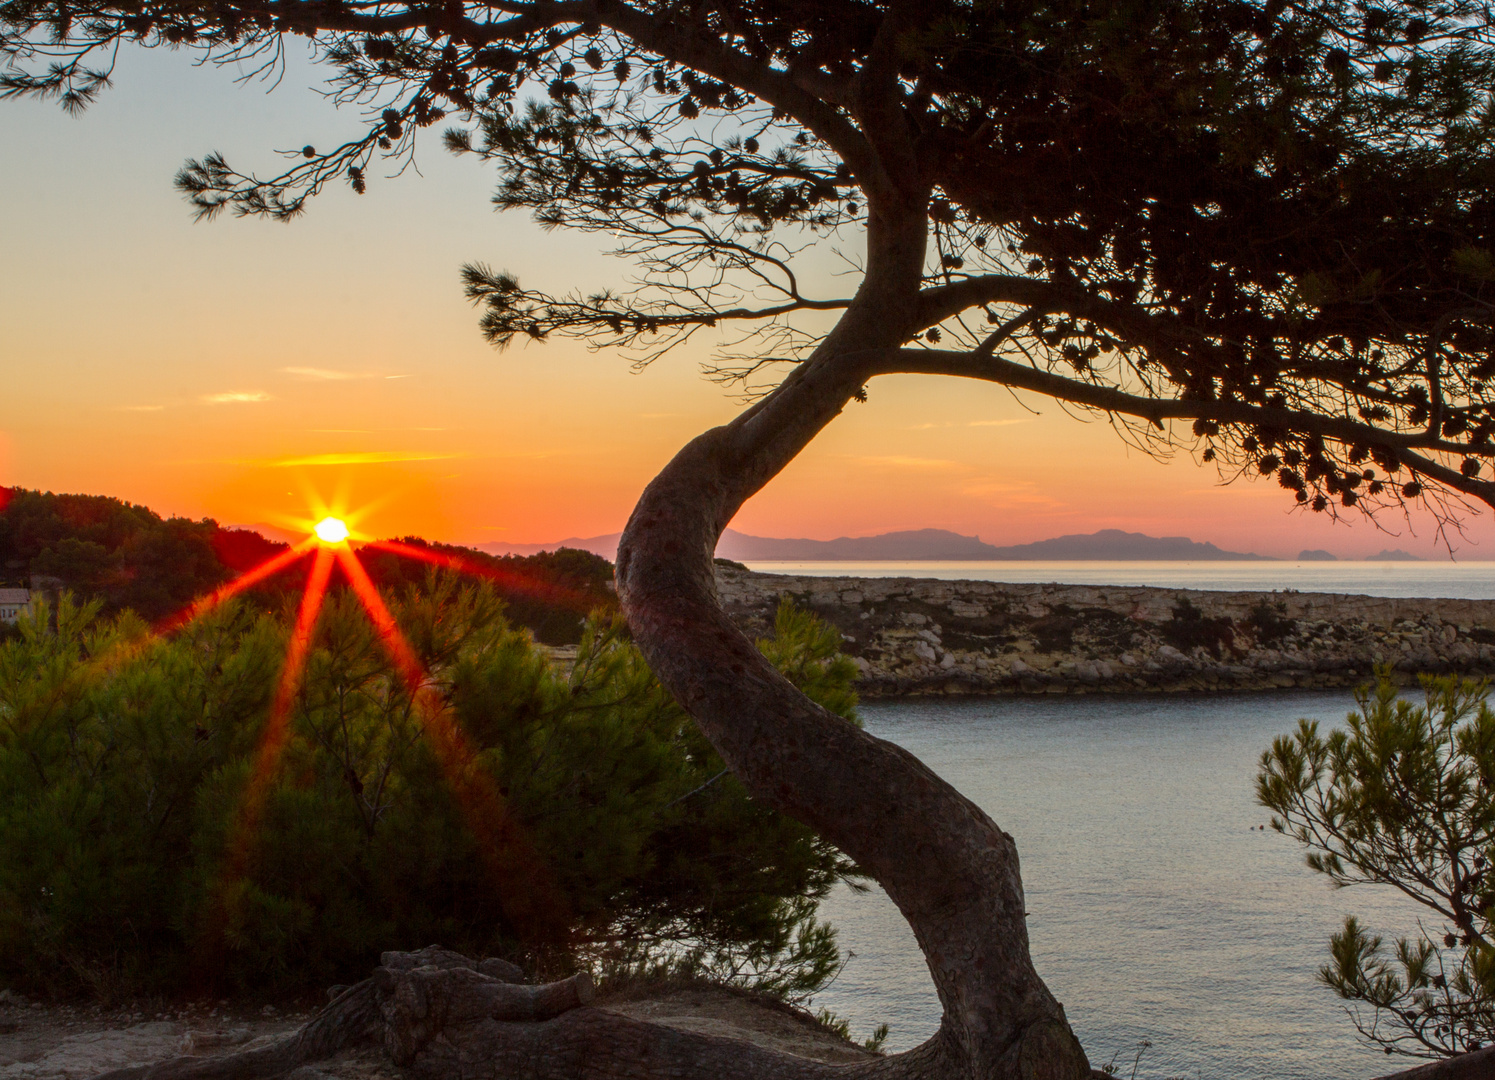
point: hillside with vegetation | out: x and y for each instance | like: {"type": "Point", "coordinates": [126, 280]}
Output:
{"type": "Point", "coordinates": [166, 831]}
{"type": "Point", "coordinates": [128, 557]}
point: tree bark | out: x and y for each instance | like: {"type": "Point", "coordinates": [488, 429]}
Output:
{"type": "Point", "coordinates": [952, 872]}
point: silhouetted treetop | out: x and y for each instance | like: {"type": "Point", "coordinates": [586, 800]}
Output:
{"type": "Point", "coordinates": [551, 593]}
{"type": "Point", "coordinates": [128, 556]}
{"type": "Point", "coordinates": [125, 555]}
{"type": "Point", "coordinates": [1272, 219]}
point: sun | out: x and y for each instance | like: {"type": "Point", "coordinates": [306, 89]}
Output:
{"type": "Point", "coordinates": [331, 530]}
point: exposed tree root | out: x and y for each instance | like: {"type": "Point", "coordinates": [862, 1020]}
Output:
{"type": "Point", "coordinates": [444, 1016]}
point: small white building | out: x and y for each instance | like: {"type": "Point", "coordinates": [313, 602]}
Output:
{"type": "Point", "coordinates": [13, 604]}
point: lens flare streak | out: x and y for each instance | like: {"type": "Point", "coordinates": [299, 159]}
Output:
{"type": "Point", "coordinates": [239, 584]}
{"type": "Point", "coordinates": [554, 594]}
{"type": "Point", "coordinates": [277, 727]}
{"type": "Point", "coordinates": [522, 883]}
{"type": "Point", "coordinates": [389, 632]}
{"type": "Point", "coordinates": [529, 896]}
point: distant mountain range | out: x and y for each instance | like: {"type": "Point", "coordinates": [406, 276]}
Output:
{"type": "Point", "coordinates": [606, 546]}
{"type": "Point", "coordinates": [924, 544]}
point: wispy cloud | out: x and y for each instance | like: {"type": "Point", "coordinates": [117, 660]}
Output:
{"type": "Point", "coordinates": [970, 423]}
{"type": "Point", "coordinates": [373, 457]}
{"type": "Point", "coordinates": [334, 375]}
{"type": "Point", "coordinates": [898, 461]}
{"type": "Point", "coordinates": [237, 397]}
{"type": "Point", "coordinates": [1007, 493]}
{"type": "Point", "coordinates": [366, 431]}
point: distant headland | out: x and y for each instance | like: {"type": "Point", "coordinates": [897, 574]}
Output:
{"type": "Point", "coordinates": [1386, 555]}
{"type": "Point", "coordinates": [931, 544]}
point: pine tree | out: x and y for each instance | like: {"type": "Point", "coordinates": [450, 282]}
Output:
{"type": "Point", "coordinates": [1259, 229]}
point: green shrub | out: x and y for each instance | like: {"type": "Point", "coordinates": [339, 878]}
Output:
{"type": "Point", "coordinates": [1270, 624]}
{"type": "Point", "coordinates": [129, 862]}
{"type": "Point", "coordinates": [1403, 796]}
{"type": "Point", "coordinates": [1190, 628]}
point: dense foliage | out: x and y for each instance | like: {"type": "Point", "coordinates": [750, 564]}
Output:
{"type": "Point", "coordinates": [127, 556]}
{"type": "Point", "coordinates": [1403, 796]}
{"type": "Point", "coordinates": [126, 759]}
{"type": "Point", "coordinates": [550, 593]}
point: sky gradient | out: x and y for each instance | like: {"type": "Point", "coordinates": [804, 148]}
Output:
{"type": "Point", "coordinates": [240, 369]}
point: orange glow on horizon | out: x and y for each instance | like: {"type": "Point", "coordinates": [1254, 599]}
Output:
{"type": "Point", "coordinates": [543, 443]}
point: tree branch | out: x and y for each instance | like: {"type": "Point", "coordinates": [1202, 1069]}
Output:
{"type": "Point", "coordinates": [681, 42]}
{"type": "Point", "coordinates": [877, 101]}
{"type": "Point", "coordinates": [1156, 410]}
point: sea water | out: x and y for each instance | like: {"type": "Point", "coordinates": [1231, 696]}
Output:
{"type": "Point", "coordinates": [1469, 580]}
{"type": "Point", "coordinates": [1158, 910]}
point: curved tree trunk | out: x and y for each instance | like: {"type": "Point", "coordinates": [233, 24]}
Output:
{"type": "Point", "coordinates": [952, 872]}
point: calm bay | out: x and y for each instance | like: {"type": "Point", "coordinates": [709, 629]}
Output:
{"type": "Point", "coordinates": [1468, 580]}
{"type": "Point", "coordinates": [1159, 910]}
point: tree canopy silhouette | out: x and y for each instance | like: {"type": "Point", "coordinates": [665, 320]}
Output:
{"type": "Point", "coordinates": [1262, 229]}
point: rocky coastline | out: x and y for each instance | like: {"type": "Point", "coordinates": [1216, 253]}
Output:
{"type": "Point", "coordinates": [912, 636]}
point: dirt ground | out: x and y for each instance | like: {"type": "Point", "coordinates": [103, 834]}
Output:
{"type": "Point", "coordinates": [712, 1010]}
{"type": "Point", "coordinates": [75, 1042]}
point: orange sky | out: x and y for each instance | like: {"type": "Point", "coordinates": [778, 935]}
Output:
{"type": "Point", "coordinates": [229, 369]}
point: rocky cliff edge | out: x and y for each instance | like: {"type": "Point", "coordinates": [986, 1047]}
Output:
{"type": "Point", "coordinates": [922, 636]}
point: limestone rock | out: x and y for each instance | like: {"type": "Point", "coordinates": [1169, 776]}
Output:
{"type": "Point", "coordinates": [915, 636]}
